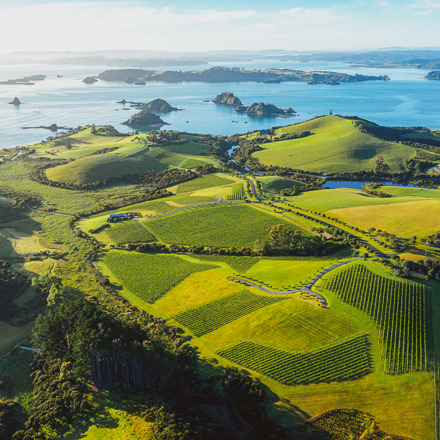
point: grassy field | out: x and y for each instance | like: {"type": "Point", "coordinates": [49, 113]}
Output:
{"type": "Point", "coordinates": [334, 146]}
{"type": "Point", "coordinates": [224, 225]}
{"type": "Point", "coordinates": [155, 274]}
{"type": "Point", "coordinates": [286, 274]}
{"type": "Point", "coordinates": [403, 219]}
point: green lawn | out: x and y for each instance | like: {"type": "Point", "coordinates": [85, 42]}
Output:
{"type": "Point", "coordinates": [334, 146]}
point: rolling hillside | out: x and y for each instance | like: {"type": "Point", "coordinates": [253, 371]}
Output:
{"type": "Point", "coordinates": [334, 146]}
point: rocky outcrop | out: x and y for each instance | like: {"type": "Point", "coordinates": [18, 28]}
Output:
{"type": "Point", "coordinates": [89, 80]}
{"type": "Point", "coordinates": [433, 75]}
{"type": "Point", "coordinates": [228, 99]}
{"type": "Point", "coordinates": [144, 118]}
{"type": "Point", "coordinates": [261, 110]}
{"type": "Point", "coordinates": [15, 101]}
{"type": "Point", "coordinates": [159, 106]}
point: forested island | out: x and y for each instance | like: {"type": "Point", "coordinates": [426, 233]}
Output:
{"type": "Point", "coordinates": [433, 75]}
{"type": "Point", "coordinates": [234, 74]}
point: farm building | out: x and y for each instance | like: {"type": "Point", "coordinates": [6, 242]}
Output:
{"type": "Point", "coordinates": [113, 218]}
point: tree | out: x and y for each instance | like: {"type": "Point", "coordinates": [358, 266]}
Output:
{"type": "Point", "coordinates": [380, 166]}
{"type": "Point", "coordinates": [281, 240]}
{"type": "Point", "coordinates": [68, 143]}
{"type": "Point", "coordinates": [93, 130]}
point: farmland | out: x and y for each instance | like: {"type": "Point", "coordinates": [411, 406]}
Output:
{"type": "Point", "coordinates": [370, 349]}
{"type": "Point", "coordinates": [223, 225]}
{"type": "Point", "coordinates": [346, 360]}
{"type": "Point", "coordinates": [399, 309]}
{"type": "Point", "coordinates": [155, 274]}
{"type": "Point", "coordinates": [215, 314]}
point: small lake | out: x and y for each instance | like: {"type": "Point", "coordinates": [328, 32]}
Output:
{"type": "Point", "coordinates": [335, 184]}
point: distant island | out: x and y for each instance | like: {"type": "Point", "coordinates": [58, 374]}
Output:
{"type": "Point", "coordinates": [228, 99]}
{"type": "Point", "coordinates": [433, 75]}
{"type": "Point", "coordinates": [26, 80]}
{"type": "Point", "coordinates": [15, 101]}
{"type": "Point", "coordinates": [143, 119]}
{"type": "Point", "coordinates": [261, 110]}
{"type": "Point", "coordinates": [89, 80]}
{"type": "Point", "coordinates": [235, 74]}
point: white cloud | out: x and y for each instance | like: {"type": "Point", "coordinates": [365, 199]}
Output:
{"type": "Point", "coordinates": [424, 7]}
{"type": "Point", "coordinates": [130, 25]}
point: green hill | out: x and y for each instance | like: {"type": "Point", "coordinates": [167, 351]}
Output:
{"type": "Point", "coordinates": [334, 146]}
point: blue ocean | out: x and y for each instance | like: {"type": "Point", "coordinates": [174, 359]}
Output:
{"type": "Point", "coordinates": [62, 98]}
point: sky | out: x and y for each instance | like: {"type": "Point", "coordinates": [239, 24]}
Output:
{"type": "Point", "coordinates": [195, 25]}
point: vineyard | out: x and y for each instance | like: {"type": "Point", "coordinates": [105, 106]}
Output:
{"type": "Point", "coordinates": [226, 225]}
{"type": "Point", "coordinates": [128, 232]}
{"type": "Point", "coordinates": [215, 314]}
{"type": "Point", "coordinates": [237, 192]}
{"type": "Point", "coordinates": [155, 274]}
{"type": "Point", "coordinates": [342, 424]}
{"type": "Point", "coordinates": [346, 360]}
{"type": "Point", "coordinates": [399, 310]}
{"type": "Point", "coordinates": [240, 264]}
{"type": "Point", "coordinates": [208, 181]}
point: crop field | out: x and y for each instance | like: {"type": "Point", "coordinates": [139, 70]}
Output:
{"type": "Point", "coordinates": [240, 264]}
{"type": "Point", "coordinates": [237, 192]}
{"type": "Point", "coordinates": [234, 225]}
{"type": "Point", "coordinates": [192, 163]}
{"type": "Point", "coordinates": [155, 273]}
{"type": "Point", "coordinates": [215, 314]}
{"type": "Point", "coordinates": [399, 310]}
{"type": "Point", "coordinates": [402, 219]}
{"type": "Point", "coordinates": [128, 232]}
{"type": "Point", "coordinates": [334, 146]}
{"type": "Point", "coordinates": [203, 182]}
{"type": "Point", "coordinates": [346, 360]}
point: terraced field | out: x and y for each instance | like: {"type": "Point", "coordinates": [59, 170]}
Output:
{"type": "Point", "coordinates": [346, 360]}
{"type": "Point", "coordinates": [155, 273]}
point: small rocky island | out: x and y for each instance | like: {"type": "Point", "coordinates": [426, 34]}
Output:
{"type": "Point", "coordinates": [228, 99]}
{"type": "Point", "coordinates": [155, 106]}
{"type": "Point", "coordinates": [262, 110]}
{"type": "Point", "coordinates": [89, 80]}
{"type": "Point", "coordinates": [159, 106]}
{"type": "Point", "coordinates": [434, 75]}
{"type": "Point", "coordinates": [143, 119]}
{"type": "Point", "coordinates": [15, 101]}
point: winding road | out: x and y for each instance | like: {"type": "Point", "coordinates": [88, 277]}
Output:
{"type": "Point", "coordinates": [307, 288]}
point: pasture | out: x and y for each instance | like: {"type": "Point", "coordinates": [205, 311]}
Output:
{"type": "Point", "coordinates": [226, 225]}
{"type": "Point", "coordinates": [334, 146]}
{"type": "Point", "coordinates": [273, 185]}
{"type": "Point", "coordinates": [208, 181]}
{"type": "Point", "coordinates": [402, 219]}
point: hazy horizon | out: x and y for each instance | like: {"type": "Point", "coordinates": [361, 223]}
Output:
{"type": "Point", "coordinates": [253, 25]}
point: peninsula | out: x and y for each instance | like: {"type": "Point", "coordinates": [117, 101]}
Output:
{"type": "Point", "coordinates": [234, 74]}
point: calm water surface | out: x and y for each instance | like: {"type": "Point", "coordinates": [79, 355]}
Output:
{"type": "Point", "coordinates": [406, 100]}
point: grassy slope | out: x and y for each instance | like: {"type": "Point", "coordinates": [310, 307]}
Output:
{"type": "Point", "coordinates": [274, 185]}
{"type": "Point", "coordinates": [334, 146]}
